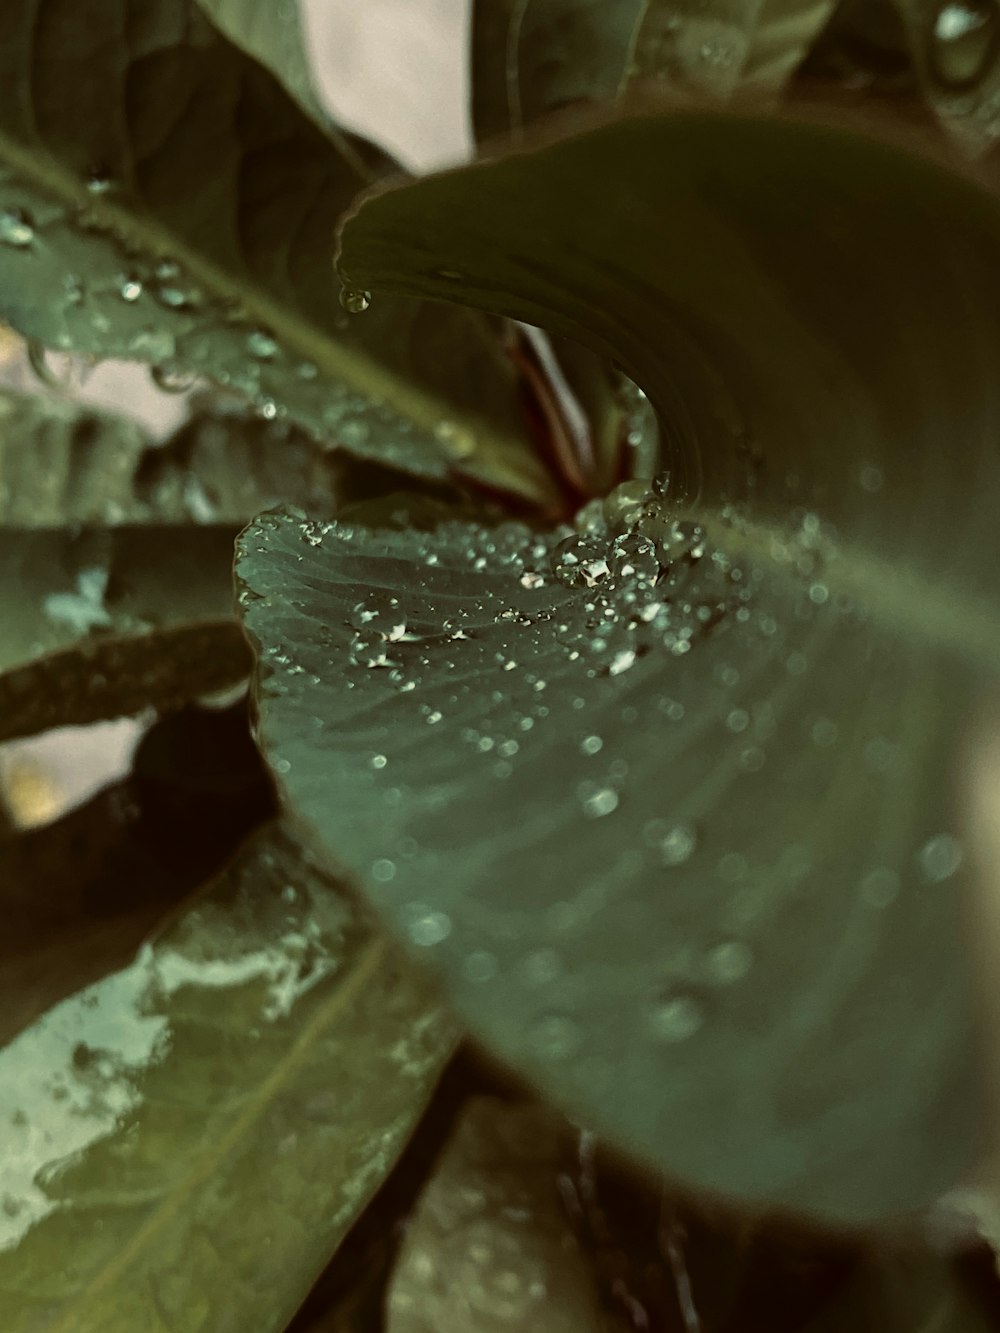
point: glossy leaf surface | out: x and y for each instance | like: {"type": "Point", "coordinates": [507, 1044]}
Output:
{"type": "Point", "coordinates": [682, 836]}
{"type": "Point", "coordinates": [189, 1138]}
{"type": "Point", "coordinates": [176, 206]}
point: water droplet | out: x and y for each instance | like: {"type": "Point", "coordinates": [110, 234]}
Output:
{"type": "Point", "coordinates": [880, 887]}
{"type": "Point", "coordinates": [964, 39]}
{"type": "Point", "coordinates": [355, 300]}
{"type": "Point", "coordinates": [262, 344]}
{"type": "Point", "coordinates": [129, 288]}
{"type": "Point", "coordinates": [591, 744]}
{"type": "Point", "coordinates": [580, 562]}
{"type": "Point", "coordinates": [99, 182]}
{"type": "Point", "coordinates": [674, 842]}
{"type": "Point", "coordinates": [597, 801]}
{"type": "Point", "coordinates": [555, 1037]}
{"type": "Point", "coordinates": [480, 966]}
{"type": "Point", "coordinates": [427, 927]}
{"type": "Point", "coordinates": [457, 440]}
{"type": "Point", "coordinates": [729, 961]}
{"type": "Point", "coordinates": [383, 870]}
{"type": "Point", "coordinates": [171, 377]}
{"type": "Point", "coordinates": [940, 857]}
{"type": "Point", "coordinates": [676, 1017]}
{"type": "Point", "coordinates": [16, 228]}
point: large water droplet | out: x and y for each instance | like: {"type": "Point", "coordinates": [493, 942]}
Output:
{"type": "Point", "coordinates": [16, 228]}
{"type": "Point", "coordinates": [580, 562]}
{"type": "Point", "coordinates": [965, 36]}
{"type": "Point", "coordinates": [355, 300]}
{"type": "Point", "coordinates": [597, 801]}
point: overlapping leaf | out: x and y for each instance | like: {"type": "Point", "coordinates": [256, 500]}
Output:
{"type": "Point", "coordinates": [684, 840]}
{"type": "Point", "coordinates": [162, 198]}
{"type": "Point", "coordinates": [531, 57]}
{"type": "Point", "coordinates": [115, 556]}
{"type": "Point", "coordinates": [187, 1140]}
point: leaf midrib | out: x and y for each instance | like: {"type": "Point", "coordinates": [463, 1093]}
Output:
{"type": "Point", "coordinates": [362, 373]}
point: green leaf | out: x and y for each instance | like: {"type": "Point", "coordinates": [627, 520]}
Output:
{"type": "Point", "coordinates": [489, 1244]}
{"type": "Point", "coordinates": [188, 1139]}
{"type": "Point", "coordinates": [685, 840]}
{"type": "Point", "coordinates": [79, 895]}
{"type": "Point", "coordinates": [531, 57]}
{"type": "Point", "coordinates": [116, 556]}
{"type": "Point", "coordinates": [273, 35]}
{"type": "Point", "coordinates": [176, 206]}
{"type": "Point", "coordinates": [956, 53]}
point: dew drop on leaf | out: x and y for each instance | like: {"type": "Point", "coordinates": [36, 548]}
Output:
{"type": "Point", "coordinates": [355, 300]}
{"type": "Point", "coordinates": [597, 801]}
{"type": "Point", "coordinates": [171, 378]}
{"type": "Point", "coordinates": [965, 36]}
{"type": "Point", "coordinates": [16, 228]}
{"type": "Point", "coordinates": [729, 961]}
{"type": "Point", "coordinates": [427, 927]}
{"type": "Point", "coordinates": [261, 344]}
{"type": "Point", "coordinates": [940, 857]}
{"type": "Point", "coordinates": [676, 1017]}
{"type": "Point", "coordinates": [555, 1037]}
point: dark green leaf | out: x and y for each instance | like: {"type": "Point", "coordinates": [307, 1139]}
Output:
{"type": "Point", "coordinates": [188, 1139]}
{"type": "Point", "coordinates": [685, 840]}
{"type": "Point", "coordinates": [531, 57]}
{"type": "Point", "coordinates": [174, 205]}
{"type": "Point", "coordinates": [905, 1292]}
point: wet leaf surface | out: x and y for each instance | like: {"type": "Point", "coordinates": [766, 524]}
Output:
{"type": "Point", "coordinates": [176, 206]}
{"type": "Point", "coordinates": [673, 809]}
{"type": "Point", "coordinates": [188, 1139]}
{"type": "Point", "coordinates": [533, 57]}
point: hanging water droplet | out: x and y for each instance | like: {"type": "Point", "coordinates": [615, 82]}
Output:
{"type": "Point", "coordinates": [355, 300]}
{"type": "Point", "coordinates": [262, 344]}
{"type": "Point", "coordinates": [964, 40]}
{"type": "Point", "coordinates": [16, 228]}
{"type": "Point", "coordinates": [676, 1017]}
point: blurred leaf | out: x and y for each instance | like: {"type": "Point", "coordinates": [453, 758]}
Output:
{"type": "Point", "coordinates": [79, 895]}
{"type": "Point", "coordinates": [174, 205]}
{"type": "Point", "coordinates": [489, 1246]}
{"type": "Point", "coordinates": [531, 57]}
{"type": "Point", "coordinates": [116, 556]}
{"type": "Point", "coordinates": [674, 808]}
{"type": "Point", "coordinates": [906, 1292]}
{"type": "Point", "coordinates": [188, 1139]}
{"type": "Point", "coordinates": [955, 46]}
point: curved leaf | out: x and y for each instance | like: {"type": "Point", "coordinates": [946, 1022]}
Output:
{"type": "Point", "coordinates": [187, 1140]}
{"type": "Point", "coordinates": [176, 206]}
{"type": "Point", "coordinates": [531, 57]}
{"type": "Point", "coordinates": [707, 895]}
